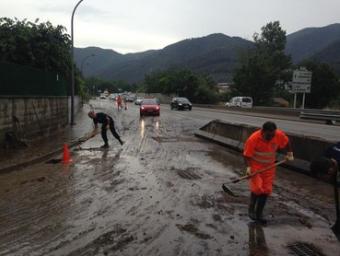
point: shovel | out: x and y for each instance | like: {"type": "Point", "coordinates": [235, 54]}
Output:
{"type": "Point", "coordinates": [230, 192]}
{"type": "Point", "coordinates": [336, 226]}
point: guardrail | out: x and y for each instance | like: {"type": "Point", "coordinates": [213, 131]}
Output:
{"type": "Point", "coordinates": [312, 114]}
{"type": "Point", "coordinates": [264, 110]}
{"type": "Point", "coordinates": [330, 117]}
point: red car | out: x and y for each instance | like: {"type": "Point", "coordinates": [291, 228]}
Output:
{"type": "Point", "coordinates": [149, 107]}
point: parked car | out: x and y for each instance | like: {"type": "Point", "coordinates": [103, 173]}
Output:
{"type": "Point", "coordinates": [138, 101]}
{"type": "Point", "coordinates": [149, 107]}
{"type": "Point", "coordinates": [180, 103]}
{"type": "Point", "coordinates": [240, 101]}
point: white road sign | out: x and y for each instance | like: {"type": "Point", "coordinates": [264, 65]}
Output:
{"type": "Point", "coordinates": [300, 88]}
{"type": "Point", "coordinates": [302, 80]}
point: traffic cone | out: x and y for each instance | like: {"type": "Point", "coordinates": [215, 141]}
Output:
{"type": "Point", "coordinates": [66, 155]}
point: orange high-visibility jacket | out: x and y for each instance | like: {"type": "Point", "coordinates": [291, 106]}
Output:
{"type": "Point", "coordinates": [261, 152]}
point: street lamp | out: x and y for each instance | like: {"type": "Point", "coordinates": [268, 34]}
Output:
{"type": "Point", "coordinates": [83, 61]}
{"type": "Point", "coordinates": [72, 66]}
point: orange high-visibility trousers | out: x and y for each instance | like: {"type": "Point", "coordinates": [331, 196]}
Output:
{"type": "Point", "coordinates": [262, 183]}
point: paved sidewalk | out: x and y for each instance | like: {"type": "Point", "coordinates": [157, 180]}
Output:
{"type": "Point", "coordinates": [46, 147]}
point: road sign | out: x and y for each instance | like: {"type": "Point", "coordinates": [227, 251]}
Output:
{"type": "Point", "coordinates": [302, 76]}
{"type": "Point", "coordinates": [297, 88]}
{"type": "Point", "coordinates": [302, 79]}
{"type": "Point", "coordinates": [300, 88]}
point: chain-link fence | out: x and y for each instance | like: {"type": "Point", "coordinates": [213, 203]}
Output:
{"type": "Point", "coordinates": [27, 81]}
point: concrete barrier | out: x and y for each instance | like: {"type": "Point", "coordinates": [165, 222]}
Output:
{"type": "Point", "coordinates": [232, 135]}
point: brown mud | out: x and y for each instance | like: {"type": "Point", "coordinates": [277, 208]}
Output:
{"type": "Point", "coordinates": [159, 194]}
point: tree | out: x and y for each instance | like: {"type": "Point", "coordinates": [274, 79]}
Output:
{"type": "Point", "coordinates": [182, 82]}
{"type": "Point", "coordinates": [93, 84]}
{"type": "Point", "coordinates": [263, 65]}
{"type": "Point", "coordinates": [325, 84]}
{"type": "Point", "coordinates": [39, 45]}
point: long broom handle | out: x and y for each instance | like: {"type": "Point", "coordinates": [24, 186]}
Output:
{"type": "Point", "coordinates": [336, 198]}
{"type": "Point", "coordinates": [259, 171]}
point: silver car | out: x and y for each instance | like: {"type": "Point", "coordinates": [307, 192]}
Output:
{"type": "Point", "coordinates": [138, 101]}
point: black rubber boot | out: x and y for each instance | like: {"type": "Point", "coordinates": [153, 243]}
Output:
{"type": "Point", "coordinates": [252, 206]}
{"type": "Point", "coordinates": [261, 202]}
{"type": "Point", "coordinates": [336, 229]}
{"type": "Point", "coordinates": [106, 145]}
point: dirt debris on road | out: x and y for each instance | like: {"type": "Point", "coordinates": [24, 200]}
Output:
{"type": "Point", "coordinates": [159, 194]}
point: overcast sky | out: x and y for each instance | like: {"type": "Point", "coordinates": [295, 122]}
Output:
{"type": "Point", "coordinates": [138, 25]}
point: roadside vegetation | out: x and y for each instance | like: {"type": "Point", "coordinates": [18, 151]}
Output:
{"type": "Point", "coordinates": [39, 45]}
{"type": "Point", "coordinates": [175, 81]}
{"type": "Point", "coordinates": [183, 83]}
{"type": "Point", "coordinates": [94, 84]}
{"type": "Point", "coordinates": [264, 70]}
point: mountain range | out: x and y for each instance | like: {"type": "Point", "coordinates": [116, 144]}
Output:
{"type": "Point", "coordinates": [216, 55]}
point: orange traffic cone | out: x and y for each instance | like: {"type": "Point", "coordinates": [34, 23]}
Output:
{"type": "Point", "coordinates": [66, 155]}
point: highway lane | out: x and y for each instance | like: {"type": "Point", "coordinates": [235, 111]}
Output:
{"type": "Point", "coordinates": [203, 116]}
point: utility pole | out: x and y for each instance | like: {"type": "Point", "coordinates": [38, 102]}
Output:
{"type": "Point", "coordinates": [72, 65]}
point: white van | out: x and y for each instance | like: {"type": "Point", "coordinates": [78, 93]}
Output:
{"type": "Point", "coordinates": [240, 101]}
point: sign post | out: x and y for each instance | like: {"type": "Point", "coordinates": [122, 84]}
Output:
{"type": "Point", "coordinates": [303, 100]}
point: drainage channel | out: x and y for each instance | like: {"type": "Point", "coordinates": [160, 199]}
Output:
{"type": "Point", "coordinates": [304, 249]}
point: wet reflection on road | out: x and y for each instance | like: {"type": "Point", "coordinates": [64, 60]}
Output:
{"type": "Point", "coordinates": [142, 127]}
{"type": "Point", "coordinates": [157, 125]}
{"type": "Point", "coordinates": [257, 240]}
{"type": "Point", "coordinates": [151, 125]}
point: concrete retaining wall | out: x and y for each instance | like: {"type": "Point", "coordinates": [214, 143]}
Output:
{"type": "Point", "coordinates": [29, 117]}
{"type": "Point", "coordinates": [234, 135]}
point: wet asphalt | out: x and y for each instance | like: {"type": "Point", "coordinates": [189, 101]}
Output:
{"type": "Point", "coordinates": [158, 194]}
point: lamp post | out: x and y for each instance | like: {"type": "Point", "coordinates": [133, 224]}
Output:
{"type": "Point", "coordinates": [83, 61]}
{"type": "Point", "coordinates": [72, 66]}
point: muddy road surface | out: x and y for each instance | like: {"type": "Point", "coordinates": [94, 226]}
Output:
{"type": "Point", "coordinates": [158, 194]}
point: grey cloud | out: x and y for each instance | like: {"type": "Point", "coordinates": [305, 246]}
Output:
{"type": "Point", "coordinates": [67, 9]}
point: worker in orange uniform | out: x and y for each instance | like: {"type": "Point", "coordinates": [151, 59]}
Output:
{"type": "Point", "coordinates": [119, 102]}
{"type": "Point", "coordinates": [260, 152]}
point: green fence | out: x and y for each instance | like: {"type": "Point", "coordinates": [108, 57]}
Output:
{"type": "Point", "coordinates": [24, 80]}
